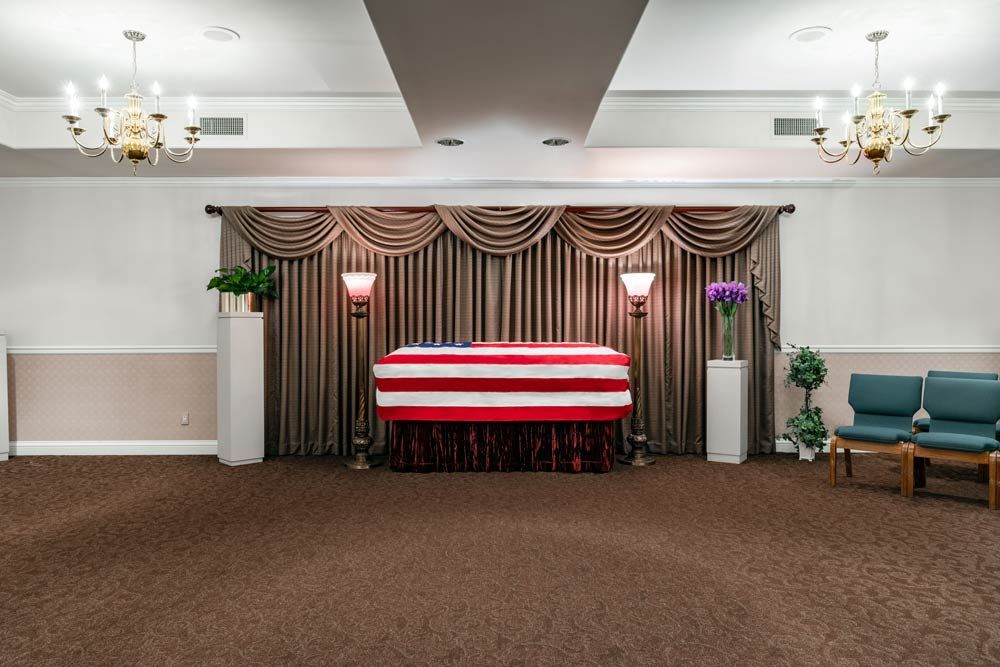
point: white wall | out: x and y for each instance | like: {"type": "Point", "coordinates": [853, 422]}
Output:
{"type": "Point", "coordinates": [124, 262]}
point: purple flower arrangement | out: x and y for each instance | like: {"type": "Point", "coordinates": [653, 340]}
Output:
{"type": "Point", "coordinates": [727, 297]}
{"type": "Point", "coordinates": [726, 293]}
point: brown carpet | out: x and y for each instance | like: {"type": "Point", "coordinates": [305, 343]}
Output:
{"type": "Point", "coordinates": [298, 561]}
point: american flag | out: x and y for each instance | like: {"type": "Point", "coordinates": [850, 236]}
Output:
{"type": "Point", "coordinates": [503, 382]}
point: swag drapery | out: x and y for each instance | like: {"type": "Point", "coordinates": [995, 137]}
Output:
{"type": "Point", "coordinates": [540, 273]}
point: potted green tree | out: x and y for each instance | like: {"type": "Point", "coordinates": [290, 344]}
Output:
{"type": "Point", "coordinates": [240, 286]}
{"type": "Point", "coordinates": [806, 370]}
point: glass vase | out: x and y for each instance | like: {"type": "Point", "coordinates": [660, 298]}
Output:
{"type": "Point", "coordinates": [727, 336]}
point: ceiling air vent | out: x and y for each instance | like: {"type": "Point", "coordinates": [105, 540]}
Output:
{"type": "Point", "coordinates": [794, 127]}
{"type": "Point", "coordinates": [222, 126]}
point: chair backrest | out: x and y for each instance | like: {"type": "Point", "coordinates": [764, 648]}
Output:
{"type": "Point", "coordinates": [888, 401]}
{"type": "Point", "coordinates": [962, 375]}
{"type": "Point", "coordinates": [969, 407]}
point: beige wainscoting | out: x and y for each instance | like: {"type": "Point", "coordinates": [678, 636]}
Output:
{"type": "Point", "coordinates": [111, 397]}
{"type": "Point", "coordinates": [832, 396]}
{"type": "Point", "coordinates": [133, 397]}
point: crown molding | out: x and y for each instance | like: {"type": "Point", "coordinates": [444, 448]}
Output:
{"type": "Point", "coordinates": [209, 105]}
{"type": "Point", "coordinates": [252, 183]}
{"type": "Point", "coordinates": [617, 102]}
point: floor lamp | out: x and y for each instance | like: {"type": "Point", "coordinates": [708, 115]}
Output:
{"type": "Point", "coordinates": [359, 288]}
{"type": "Point", "coordinates": [637, 285]}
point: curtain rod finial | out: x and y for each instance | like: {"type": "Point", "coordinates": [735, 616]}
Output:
{"type": "Point", "coordinates": [212, 209]}
{"type": "Point", "coordinates": [788, 208]}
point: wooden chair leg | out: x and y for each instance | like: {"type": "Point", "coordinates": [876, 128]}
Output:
{"type": "Point", "coordinates": [919, 472]}
{"type": "Point", "coordinates": [833, 461]}
{"type": "Point", "coordinates": [994, 483]}
{"type": "Point", "coordinates": [847, 463]}
{"type": "Point", "coordinates": [984, 472]}
{"type": "Point", "coordinates": [906, 470]}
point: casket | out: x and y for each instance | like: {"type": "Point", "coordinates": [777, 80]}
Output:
{"type": "Point", "coordinates": [503, 406]}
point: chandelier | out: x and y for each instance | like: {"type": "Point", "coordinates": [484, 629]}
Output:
{"type": "Point", "coordinates": [130, 133]}
{"type": "Point", "coordinates": [878, 130]}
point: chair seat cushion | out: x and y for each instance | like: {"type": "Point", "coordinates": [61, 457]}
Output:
{"type": "Point", "coordinates": [872, 434]}
{"type": "Point", "coordinates": [956, 441]}
{"type": "Point", "coordinates": [924, 424]}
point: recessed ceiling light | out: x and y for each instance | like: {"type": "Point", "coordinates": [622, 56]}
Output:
{"type": "Point", "coordinates": [217, 33]}
{"type": "Point", "coordinates": [813, 33]}
{"type": "Point", "coordinates": [556, 141]}
{"type": "Point", "coordinates": [450, 141]}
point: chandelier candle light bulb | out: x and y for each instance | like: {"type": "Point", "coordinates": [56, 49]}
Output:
{"type": "Point", "coordinates": [156, 90]}
{"type": "Point", "coordinates": [856, 94]}
{"type": "Point", "coordinates": [103, 84]}
{"type": "Point", "coordinates": [908, 88]}
{"type": "Point", "coordinates": [818, 104]}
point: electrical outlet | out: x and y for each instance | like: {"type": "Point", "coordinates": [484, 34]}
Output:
{"type": "Point", "coordinates": [185, 419]}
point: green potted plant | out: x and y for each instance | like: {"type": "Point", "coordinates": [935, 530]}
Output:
{"type": "Point", "coordinates": [806, 370]}
{"type": "Point", "coordinates": [240, 286]}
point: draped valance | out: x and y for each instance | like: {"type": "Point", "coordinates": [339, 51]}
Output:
{"type": "Point", "coordinates": [602, 232]}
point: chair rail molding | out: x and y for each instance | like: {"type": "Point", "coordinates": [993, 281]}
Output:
{"type": "Point", "coordinates": [111, 349]}
{"type": "Point", "coordinates": [896, 349]}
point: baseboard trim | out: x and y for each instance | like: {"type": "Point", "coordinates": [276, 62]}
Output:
{"type": "Point", "coordinates": [114, 448]}
{"type": "Point", "coordinates": [783, 446]}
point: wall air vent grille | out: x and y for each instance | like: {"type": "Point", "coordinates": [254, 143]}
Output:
{"type": "Point", "coordinates": [221, 126]}
{"type": "Point", "coordinates": [793, 127]}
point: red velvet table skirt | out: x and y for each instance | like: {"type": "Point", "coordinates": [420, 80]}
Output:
{"type": "Point", "coordinates": [424, 446]}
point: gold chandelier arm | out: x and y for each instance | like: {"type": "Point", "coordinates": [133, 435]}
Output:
{"type": "Point", "coordinates": [921, 149]}
{"type": "Point", "coordinates": [837, 156]}
{"type": "Point", "coordinates": [121, 155]}
{"type": "Point", "coordinates": [833, 157]}
{"type": "Point", "coordinates": [180, 157]}
{"type": "Point", "coordinates": [89, 151]}
{"type": "Point", "coordinates": [156, 157]}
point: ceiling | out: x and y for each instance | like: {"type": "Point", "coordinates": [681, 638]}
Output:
{"type": "Point", "coordinates": [732, 45]}
{"type": "Point", "coordinates": [502, 76]}
{"type": "Point", "coordinates": [297, 47]}
{"type": "Point", "coordinates": [518, 70]}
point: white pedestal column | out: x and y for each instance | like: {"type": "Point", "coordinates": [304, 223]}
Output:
{"type": "Point", "coordinates": [727, 410]}
{"type": "Point", "coordinates": [240, 368]}
{"type": "Point", "coordinates": [4, 423]}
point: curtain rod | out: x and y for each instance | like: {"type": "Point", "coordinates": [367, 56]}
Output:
{"type": "Point", "coordinates": [212, 209]}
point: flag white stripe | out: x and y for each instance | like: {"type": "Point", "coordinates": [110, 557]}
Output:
{"type": "Point", "coordinates": [582, 371]}
{"type": "Point", "coordinates": [501, 399]}
{"type": "Point", "coordinates": [507, 351]}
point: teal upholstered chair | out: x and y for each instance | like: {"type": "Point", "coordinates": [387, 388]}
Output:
{"type": "Point", "coordinates": [883, 412]}
{"type": "Point", "coordinates": [963, 417]}
{"type": "Point", "coordinates": [923, 423]}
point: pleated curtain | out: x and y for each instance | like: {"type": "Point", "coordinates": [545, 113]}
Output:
{"type": "Point", "coordinates": [518, 274]}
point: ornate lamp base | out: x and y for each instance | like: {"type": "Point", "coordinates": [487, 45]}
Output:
{"type": "Point", "coordinates": [362, 462]}
{"type": "Point", "coordinates": [361, 444]}
{"type": "Point", "coordinates": [637, 455]}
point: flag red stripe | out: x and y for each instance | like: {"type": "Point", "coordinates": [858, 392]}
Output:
{"type": "Point", "coordinates": [535, 345]}
{"type": "Point", "coordinates": [500, 384]}
{"type": "Point", "coordinates": [513, 359]}
{"type": "Point", "coordinates": [505, 414]}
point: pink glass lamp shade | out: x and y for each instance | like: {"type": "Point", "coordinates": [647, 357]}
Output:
{"type": "Point", "coordinates": [638, 284]}
{"type": "Point", "coordinates": [359, 284]}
